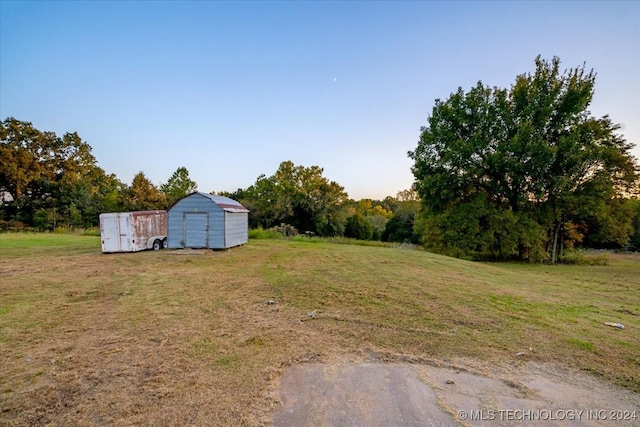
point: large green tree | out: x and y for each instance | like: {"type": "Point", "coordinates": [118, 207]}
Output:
{"type": "Point", "coordinates": [28, 168]}
{"type": "Point", "coordinates": [52, 181]}
{"type": "Point", "coordinates": [178, 186]}
{"type": "Point", "coordinates": [501, 171]}
{"type": "Point", "coordinates": [299, 196]}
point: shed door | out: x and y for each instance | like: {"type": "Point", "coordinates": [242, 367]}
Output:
{"type": "Point", "coordinates": [196, 229]}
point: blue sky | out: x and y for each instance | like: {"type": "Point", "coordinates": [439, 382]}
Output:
{"type": "Point", "coordinates": [231, 89]}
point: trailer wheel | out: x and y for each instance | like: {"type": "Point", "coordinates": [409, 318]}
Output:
{"type": "Point", "coordinates": [157, 245]}
{"type": "Point", "coordinates": [164, 243]}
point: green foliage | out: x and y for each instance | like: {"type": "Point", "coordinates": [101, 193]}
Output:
{"type": "Point", "coordinates": [368, 207]}
{"type": "Point", "coordinates": [142, 195]}
{"type": "Point", "coordinates": [358, 227]}
{"type": "Point", "coordinates": [496, 169]}
{"type": "Point", "coordinates": [298, 196]}
{"type": "Point", "coordinates": [73, 217]}
{"type": "Point", "coordinates": [239, 194]}
{"type": "Point", "coordinates": [477, 230]}
{"type": "Point", "coordinates": [401, 227]}
{"type": "Point", "coordinates": [178, 186]}
{"type": "Point", "coordinates": [376, 213]}
{"type": "Point", "coordinates": [44, 219]}
{"type": "Point", "coordinates": [608, 226]}
{"type": "Point", "coordinates": [378, 225]}
{"type": "Point", "coordinates": [52, 181]}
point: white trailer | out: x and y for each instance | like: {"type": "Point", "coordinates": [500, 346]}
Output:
{"type": "Point", "coordinates": [133, 231]}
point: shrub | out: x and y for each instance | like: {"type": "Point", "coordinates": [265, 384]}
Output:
{"type": "Point", "coordinates": [358, 228]}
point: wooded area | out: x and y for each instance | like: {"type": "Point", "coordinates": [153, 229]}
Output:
{"type": "Point", "coordinates": [521, 173]}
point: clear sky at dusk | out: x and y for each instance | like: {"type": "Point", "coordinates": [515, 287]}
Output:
{"type": "Point", "coordinates": [231, 89]}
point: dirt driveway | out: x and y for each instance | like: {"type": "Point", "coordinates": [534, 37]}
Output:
{"type": "Point", "coordinates": [408, 394]}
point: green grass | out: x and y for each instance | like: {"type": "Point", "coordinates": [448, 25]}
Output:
{"type": "Point", "coordinates": [154, 337]}
{"type": "Point", "coordinates": [32, 245]}
{"type": "Point", "coordinates": [261, 233]}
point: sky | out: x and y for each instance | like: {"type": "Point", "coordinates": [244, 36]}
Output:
{"type": "Point", "coordinates": [230, 90]}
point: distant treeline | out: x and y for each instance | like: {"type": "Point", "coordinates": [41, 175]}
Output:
{"type": "Point", "coordinates": [49, 182]}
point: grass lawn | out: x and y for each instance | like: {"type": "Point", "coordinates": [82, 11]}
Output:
{"type": "Point", "coordinates": [160, 338]}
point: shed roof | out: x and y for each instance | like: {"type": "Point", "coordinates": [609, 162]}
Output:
{"type": "Point", "coordinates": [225, 203]}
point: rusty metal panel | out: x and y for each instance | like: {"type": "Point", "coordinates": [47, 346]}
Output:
{"type": "Point", "coordinates": [148, 226]}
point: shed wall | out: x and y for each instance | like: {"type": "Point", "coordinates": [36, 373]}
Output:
{"type": "Point", "coordinates": [236, 229]}
{"type": "Point", "coordinates": [216, 228]}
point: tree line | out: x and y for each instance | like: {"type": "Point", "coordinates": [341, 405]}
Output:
{"type": "Point", "coordinates": [49, 182]}
{"type": "Point", "coordinates": [304, 201]}
{"type": "Point", "coordinates": [506, 174]}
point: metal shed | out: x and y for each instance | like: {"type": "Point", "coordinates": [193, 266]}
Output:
{"type": "Point", "coordinates": [202, 220]}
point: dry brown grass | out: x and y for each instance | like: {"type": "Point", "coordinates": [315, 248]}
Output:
{"type": "Point", "coordinates": [153, 338]}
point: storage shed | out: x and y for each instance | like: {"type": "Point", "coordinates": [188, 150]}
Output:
{"type": "Point", "coordinates": [202, 220]}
